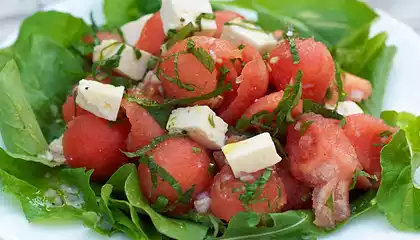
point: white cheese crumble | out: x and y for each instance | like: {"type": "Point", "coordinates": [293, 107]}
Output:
{"type": "Point", "coordinates": [201, 124]}
{"type": "Point", "coordinates": [132, 62]}
{"type": "Point", "coordinates": [251, 155]}
{"type": "Point", "coordinates": [103, 100]}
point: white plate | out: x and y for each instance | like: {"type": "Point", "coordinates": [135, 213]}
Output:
{"type": "Point", "coordinates": [401, 95]}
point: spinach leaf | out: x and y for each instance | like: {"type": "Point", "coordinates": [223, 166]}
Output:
{"type": "Point", "coordinates": [46, 193]}
{"type": "Point", "coordinates": [18, 125]}
{"type": "Point", "coordinates": [119, 12]}
{"type": "Point", "coordinates": [327, 24]}
{"type": "Point", "coordinates": [48, 72]}
{"type": "Point", "coordinates": [377, 72]}
{"type": "Point", "coordinates": [398, 198]}
{"type": "Point", "coordinates": [312, 107]}
{"type": "Point", "coordinates": [60, 27]}
{"type": "Point", "coordinates": [125, 182]}
{"type": "Point", "coordinates": [289, 225]}
{"type": "Point", "coordinates": [396, 119]}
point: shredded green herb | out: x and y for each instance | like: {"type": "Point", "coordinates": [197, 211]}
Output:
{"type": "Point", "coordinates": [282, 114]}
{"type": "Point", "coordinates": [342, 122]}
{"type": "Point", "coordinates": [385, 133]}
{"type": "Point", "coordinates": [208, 16]}
{"type": "Point", "coordinates": [211, 121]}
{"type": "Point", "coordinates": [359, 173]}
{"type": "Point", "coordinates": [328, 94]}
{"type": "Point", "coordinates": [180, 35]}
{"type": "Point", "coordinates": [158, 171]}
{"type": "Point", "coordinates": [223, 71]}
{"type": "Point", "coordinates": [252, 191]}
{"type": "Point", "coordinates": [156, 141]}
{"type": "Point", "coordinates": [310, 106]}
{"type": "Point", "coordinates": [339, 83]}
{"type": "Point", "coordinates": [304, 126]}
{"type": "Point", "coordinates": [378, 144]}
{"type": "Point", "coordinates": [202, 55]}
{"type": "Point", "coordinates": [265, 56]}
{"type": "Point", "coordinates": [137, 53]}
{"type": "Point", "coordinates": [109, 63]}
{"type": "Point", "coordinates": [196, 150]}
{"type": "Point", "coordinates": [151, 63]}
{"type": "Point", "coordinates": [161, 204]}
{"type": "Point", "coordinates": [240, 47]}
{"type": "Point", "coordinates": [292, 43]}
{"type": "Point", "coordinates": [186, 197]}
{"type": "Point", "coordinates": [176, 80]}
{"type": "Point", "coordinates": [181, 101]}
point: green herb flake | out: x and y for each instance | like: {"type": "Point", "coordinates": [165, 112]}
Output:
{"type": "Point", "coordinates": [304, 126]}
{"type": "Point", "coordinates": [293, 48]}
{"type": "Point", "coordinates": [342, 122]}
{"type": "Point", "coordinates": [156, 141]}
{"type": "Point", "coordinates": [240, 47]}
{"type": "Point", "coordinates": [211, 121]}
{"type": "Point", "coordinates": [252, 191]}
{"type": "Point", "coordinates": [181, 101]}
{"type": "Point", "coordinates": [201, 55]}
{"type": "Point", "coordinates": [137, 53]}
{"type": "Point", "coordinates": [385, 133]}
{"type": "Point", "coordinates": [378, 144]}
{"type": "Point", "coordinates": [109, 63]}
{"type": "Point", "coordinates": [339, 83]}
{"type": "Point", "coordinates": [223, 71]}
{"type": "Point", "coordinates": [359, 173]}
{"type": "Point", "coordinates": [162, 173]}
{"type": "Point", "coordinates": [176, 79]}
{"type": "Point", "coordinates": [161, 204]}
{"type": "Point", "coordinates": [176, 36]}
{"type": "Point", "coordinates": [328, 94]}
{"type": "Point", "coordinates": [184, 198]}
{"type": "Point", "coordinates": [151, 63]}
{"type": "Point", "coordinates": [196, 150]}
{"type": "Point", "coordinates": [265, 56]}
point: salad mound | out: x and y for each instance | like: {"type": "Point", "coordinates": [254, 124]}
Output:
{"type": "Point", "coordinates": [188, 120]}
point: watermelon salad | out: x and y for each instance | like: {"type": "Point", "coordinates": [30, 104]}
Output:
{"type": "Point", "coordinates": [191, 119]}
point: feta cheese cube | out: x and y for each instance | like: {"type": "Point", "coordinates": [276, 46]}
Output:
{"type": "Point", "coordinates": [201, 124]}
{"type": "Point", "coordinates": [131, 31]}
{"type": "Point", "coordinates": [133, 62]}
{"type": "Point", "coordinates": [346, 108]}
{"type": "Point", "coordinates": [241, 32]}
{"type": "Point", "coordinates": [251, 155]}
{"type": "Point", "coordinates": [178, 13]}
{"type": "Point", "coordinates": [103, 100]}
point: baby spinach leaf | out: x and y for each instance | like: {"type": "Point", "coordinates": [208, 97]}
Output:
{"type": "Point", "coordinates": [377, 72]}
{"type": "Point", "coordinates": [289, 225]}
{"type": "Point", "coordinates": [126, 182]}
{"type": "Point", "coordinates": [48, 71]}
{"type": "Point", "coordinates": [60, 27]}
{"type": "Point", "coordinates": [18, 125]}
{"type": "Point", "coordinates": [51, 193]}
{"type": "Point", "coordinates": [118, 12]}
{"type": "Point", "coordinates": [311, 19]}
{"type": "Point", "coordinates": [398, 198]}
